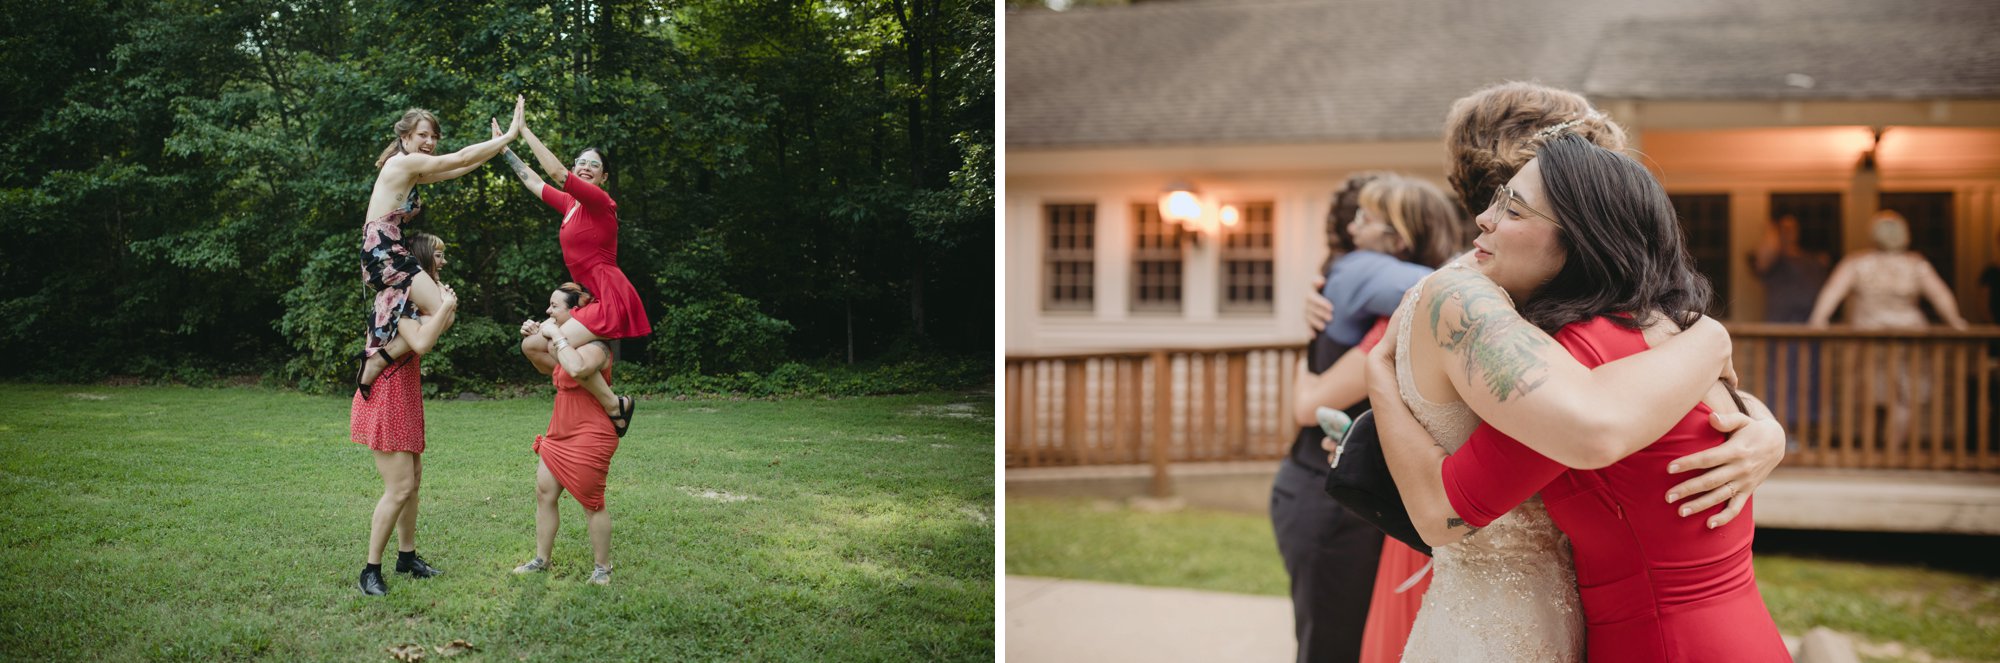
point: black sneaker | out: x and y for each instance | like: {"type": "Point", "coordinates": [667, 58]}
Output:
{"type": "Point", "coordinates": [416, 567]}
{"type": "Point", "coordinates": [371, 582]}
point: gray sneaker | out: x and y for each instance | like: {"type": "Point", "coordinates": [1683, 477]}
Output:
{"type": "Point", "coordinates": [601, 576]}
{"type": "Point", "coordinates": [536, 565]}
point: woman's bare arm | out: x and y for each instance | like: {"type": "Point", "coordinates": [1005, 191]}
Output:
{"type": "Point", "coordinates": [1521, 381]}
{"type": "Point", "coordinates": [550, 163]}
{"type": "Point", "coordinates": [1415, 459]}
{"type": "Point", "coordinates": [425, 169]}
{"type": "Point", "coordinates": [1341, 386]}
{"type": "Point", "coordinates": [1940, 297]}
{"type": "Point", "coordinates": [1832, 293]}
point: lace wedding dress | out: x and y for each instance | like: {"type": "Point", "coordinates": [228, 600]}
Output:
{"type": "Point", "coordinates": [1505, 593]}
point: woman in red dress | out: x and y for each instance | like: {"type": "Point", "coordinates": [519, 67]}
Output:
{"type": "Point", "coordinates": [576, 451]}
{"type": "Point", "coordinates": [1586, 239]}
{"type": "Point", "coordinates": [589, 238]}
{"type": "Point", "coordinates": [393, 427]}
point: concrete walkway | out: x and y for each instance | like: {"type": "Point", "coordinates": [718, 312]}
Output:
{"type": "Point", "coordinates": [1054, 620]}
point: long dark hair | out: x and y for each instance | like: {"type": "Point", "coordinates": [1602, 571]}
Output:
{"type": "Point", "coordinates": [423, 247]}
{"type": "Point", "coordinates": [1626, 253]}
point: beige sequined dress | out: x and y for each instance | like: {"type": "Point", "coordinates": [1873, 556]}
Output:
{"type": "Point", "coordinates": [1506, 593]}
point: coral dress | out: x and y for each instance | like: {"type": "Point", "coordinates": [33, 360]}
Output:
{"type": "Point", "coordinates": [580, 440]}
{"type": "Point", "coordinates": [589, 240]}
{"type": "Point", "coordinates": [1401, 576]}
{"type": "Point", "coordinates": [1655, 586]}
{"type": "Point", "coordinates": [392, 418]}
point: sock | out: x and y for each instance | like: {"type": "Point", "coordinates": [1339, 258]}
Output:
{"type": "Point", "coordinates": [377, 568]}
{"type": "Point", "coordinates": [403, 558]}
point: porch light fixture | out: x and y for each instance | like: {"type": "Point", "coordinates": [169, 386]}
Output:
{"type": "Point", "coordinates": [1180, 204]}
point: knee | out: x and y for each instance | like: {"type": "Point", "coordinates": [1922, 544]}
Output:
{"type": "Point", "coordinates": [534, 343]}
{"type": "Point", "coordinates": [546, 495]}
{"type": "Point", "coordinates": [403, 493]}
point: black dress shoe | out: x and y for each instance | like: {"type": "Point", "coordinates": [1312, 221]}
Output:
{"type": "Point", "coordinates": [371, 583]}
{"type": "Point", "coordinates": [416, 568]}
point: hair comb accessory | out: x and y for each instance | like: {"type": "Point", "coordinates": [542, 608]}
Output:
{"type": "Point", "coordinates": [1559, 128]}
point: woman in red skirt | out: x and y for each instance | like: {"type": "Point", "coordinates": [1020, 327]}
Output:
{"type": "Point", "coordinates": [392, 425]}
{"type": "Point", "coordinates": [589, 238]}
{"type": "Point", "coordinates": [576, 452]}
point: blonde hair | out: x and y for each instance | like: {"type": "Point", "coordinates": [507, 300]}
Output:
{"type": "Point", "coordinates": [1428, 220]}
{"type": "Point", "coordinates": [411, 119]}
{"type": "Point", "coordinates": [1492, 132]}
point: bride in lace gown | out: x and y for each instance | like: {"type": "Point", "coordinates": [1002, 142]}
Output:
{"type": "Point", "coordinates": [1462, 353]}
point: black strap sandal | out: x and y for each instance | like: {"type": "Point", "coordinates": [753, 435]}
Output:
{"type": "Point", "coordinates": [364, 388]}
{"type": "Point", "coordinates": [622, 422]}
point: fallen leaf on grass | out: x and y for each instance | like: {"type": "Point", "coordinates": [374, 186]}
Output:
{"type": "Point", "coordinates": [407, 653]}
{"type": "Point", "coordinates": [455, 648]}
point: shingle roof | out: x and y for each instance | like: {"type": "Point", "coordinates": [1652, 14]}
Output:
{"type": "Point", "coordinates": [1303, 70]}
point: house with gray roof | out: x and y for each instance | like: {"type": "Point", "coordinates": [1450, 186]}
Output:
{"type": "Point", "coordinates": [1824, 110]}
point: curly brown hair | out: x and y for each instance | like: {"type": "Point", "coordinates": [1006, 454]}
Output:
{"type": "Point", "coordinates": [1490, 134]}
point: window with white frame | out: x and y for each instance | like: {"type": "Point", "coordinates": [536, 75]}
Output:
{"type": "Point", "coordinates": [1156, 261]}
{"type": "Point", "coordinates": [1069, 258]}
{"type": "Point", "coordinates": [1247, 258]}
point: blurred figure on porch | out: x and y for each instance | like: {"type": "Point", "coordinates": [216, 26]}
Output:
{"type": "Point", "coordinates": [1882, 289]}
{"type": "Point", "coordinates": [1792, 278]}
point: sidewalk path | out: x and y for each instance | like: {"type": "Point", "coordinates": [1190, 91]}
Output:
{"type": "Point", "coordinates": [1055, 620]}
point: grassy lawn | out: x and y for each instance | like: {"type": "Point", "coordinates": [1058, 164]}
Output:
{"type": "Point", "coordinates": [1946, 614]}
{"type": "Point", "coordinates": [203, 524]}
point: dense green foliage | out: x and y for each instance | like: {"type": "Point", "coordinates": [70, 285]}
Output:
{"type": "Point", "coordinates": [804, 181]}
{"type": "Point", "coordinates": [798, 530]}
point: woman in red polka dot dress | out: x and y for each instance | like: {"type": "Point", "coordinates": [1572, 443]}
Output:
{"type": "Point", "coordinates": [391, 422]}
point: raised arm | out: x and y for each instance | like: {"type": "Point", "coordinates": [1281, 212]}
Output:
{"type": "Point", "coordinates": [1940, 296]}
{"type": "Point", "coordinates": [1830, 295]}
{"type": "Point", "coordinates": [425, 169]}
{"type": "Point", "coordinates": [1521, 381]}
{"type": "Point", "coordinates": [521, 171]}
{"type": "Point", "coordinates": [550, 164]}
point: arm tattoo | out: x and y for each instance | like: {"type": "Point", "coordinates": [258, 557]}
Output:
{"type": "Point", "coordinates": [1497, 345]}
{"type": "Point", "coordinates": [520, 169]}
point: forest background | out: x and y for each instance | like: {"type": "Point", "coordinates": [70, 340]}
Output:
{"type": "Point", "coordinates": [805, 188]}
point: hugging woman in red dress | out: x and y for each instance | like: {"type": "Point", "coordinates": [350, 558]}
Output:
{"type": "Point", "coordinates": [1589, 243]}
{"type": "Point", "coordinates": [576, 451]}
{"type": "Point", "coordinates": [589, 238]}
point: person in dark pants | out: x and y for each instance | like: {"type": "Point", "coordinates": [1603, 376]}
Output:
{"type": "Point", "coordinates": [1329, 554]}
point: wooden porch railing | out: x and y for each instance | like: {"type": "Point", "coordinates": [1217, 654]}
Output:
{"type": "Point", "coordinates": [1168, 406]}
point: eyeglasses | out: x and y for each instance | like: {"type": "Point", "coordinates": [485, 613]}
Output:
{"type": "Point", "coordinates": [589, 162]}
{"type": "Point", "coordinates": [1505, 198]}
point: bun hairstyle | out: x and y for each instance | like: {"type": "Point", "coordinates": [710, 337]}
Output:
{"type": "Point", "coordinates": [1625, 253]}
{"type": "Point", "coordinates": [574, 294]}
{"type": "Point", "coordinates": [424, 246]}
{"type": "Point", "coordinates": [1424, 216]}
{"type": "Point", "coordinates": [1491, 133]}
{"type": "Point", "coordinates": [404, 127]}
{"type": "Point", "coordinates": [1338, 241]}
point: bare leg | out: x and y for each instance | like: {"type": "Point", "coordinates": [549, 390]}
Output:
{"type": "Point", "coordinates": [406, 525]}
{"type": "Point", "coordinates": [399, 484]}
{"type": "Point", "coordinates": [546, 515]}
{"type": "Point", "coordinates": [534, 345]}
{"type": "Point", "coordinates": [593, 383]}
{"type": "Point", "coordinates": [600, 535]}
{"type": "Point", "coordinates": [425, 294]}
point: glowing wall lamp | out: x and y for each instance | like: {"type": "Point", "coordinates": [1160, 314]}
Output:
{"type": "Point", "coordinates": [1180, 204]}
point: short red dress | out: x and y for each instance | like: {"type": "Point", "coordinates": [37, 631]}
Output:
{"type": "Point", "coordinates": [589, 239]}
{"type": "Point", "coordinates": [1655, 586]}
{"type": "Point", "coordinates": [578, 447]}
{"type": "Point", "coordinates": [392, 418]}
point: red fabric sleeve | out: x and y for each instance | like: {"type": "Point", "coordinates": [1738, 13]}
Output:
{"type": "Point", "coordinates": [1494, 473]}
{"type": "Point", "coordinates": [557, 199]}
{"type": "Point", "coordinates": [588, 194]}
{"type": "Point", "coordinates": [1374, 334]}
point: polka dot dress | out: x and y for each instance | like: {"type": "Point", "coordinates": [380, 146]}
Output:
{"type": "Point", "coordinates": [392, 419]}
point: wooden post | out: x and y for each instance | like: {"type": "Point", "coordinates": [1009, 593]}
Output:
{"type": "Point", "coordinates": [1237, 415]}
{"type": "Point", "coordinates": [1076, 398]}
{"type": "Point", "coordinates": [1030, 436]}
{"type": "Point", "coordinates": [1163, 422]}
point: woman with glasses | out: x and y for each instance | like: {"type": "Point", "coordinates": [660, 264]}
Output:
{"type": "Point", "coordinates": [589, 238]}
{"type": "Point", "coordinates": [1606, 366]}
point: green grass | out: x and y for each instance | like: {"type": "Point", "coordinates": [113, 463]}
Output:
{"type": "Point", "coordinates": [1947, 614]}
{"type": "Point", "coordinates": [203, 524]}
